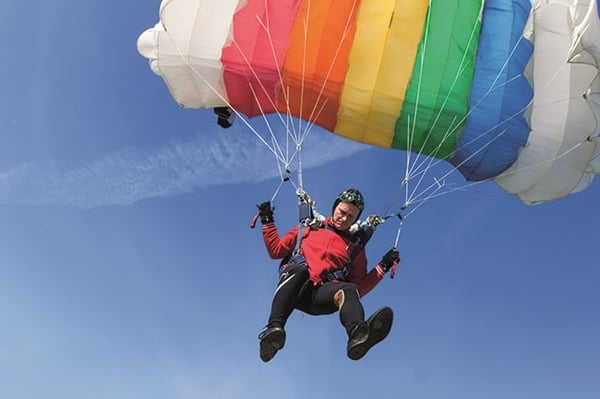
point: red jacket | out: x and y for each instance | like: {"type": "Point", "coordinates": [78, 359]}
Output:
{"type": "Point", "coordinates": [325, 251]}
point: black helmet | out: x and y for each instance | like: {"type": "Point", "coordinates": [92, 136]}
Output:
{"type": "Point", "coordinates": [352, 196]}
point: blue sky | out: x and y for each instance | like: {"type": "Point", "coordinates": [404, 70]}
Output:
{"type": "Point", "coordinates": [129, 271]}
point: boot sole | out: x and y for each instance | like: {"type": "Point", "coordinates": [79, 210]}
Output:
{"type": "Point", "coordinates": [380, 324]}
{"type": "Point", "coordinates": [357, 350]}
{"type": "Point", "coordinates": [270, 344]}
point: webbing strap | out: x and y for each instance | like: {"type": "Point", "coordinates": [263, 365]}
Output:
{"type": "Point", "coordinates": [305, 216]}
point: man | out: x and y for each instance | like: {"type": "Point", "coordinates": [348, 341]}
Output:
{"type": "Point", "coordinates": [327, 273]}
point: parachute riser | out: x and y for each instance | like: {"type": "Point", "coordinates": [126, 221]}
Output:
{"type": "Point", "coordinates": [401, 221]}
{"type": "Point", "coordinates": [307, 214]}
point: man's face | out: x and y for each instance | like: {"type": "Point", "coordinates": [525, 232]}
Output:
{"type": "Point", "coordinates": [344, 215]}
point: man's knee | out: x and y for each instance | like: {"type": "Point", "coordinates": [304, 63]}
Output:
{"type": "Point", "coordinates": [338, 298]}
{"type": "Point", "coordinates": [349, 292]}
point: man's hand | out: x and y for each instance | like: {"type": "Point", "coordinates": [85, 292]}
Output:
{"type": "Point", "coordinates": [390, 262]}
{"type": "Point", "coordinates": [265, 211]}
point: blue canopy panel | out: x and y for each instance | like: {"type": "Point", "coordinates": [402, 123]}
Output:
{"type": "Point", "coordinates": [496, 127]}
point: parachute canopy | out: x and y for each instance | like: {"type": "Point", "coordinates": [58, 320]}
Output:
{"type": "Point", "coordinates": [502, 89]}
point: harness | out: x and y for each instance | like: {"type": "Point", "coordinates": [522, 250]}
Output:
{"type": "Point", "coordinates": [311, 219]}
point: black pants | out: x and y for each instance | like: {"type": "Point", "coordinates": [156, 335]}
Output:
{"type": "Point", "coordinates": [296, 291]}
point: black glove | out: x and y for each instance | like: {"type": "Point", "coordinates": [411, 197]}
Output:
{"type": "Point", "coordinates": [390, 259]}
{"type": "Point", "coordinates": [266, 212]}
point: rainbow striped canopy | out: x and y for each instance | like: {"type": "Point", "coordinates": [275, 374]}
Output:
{"type": "Point", "coordinates": [501, 88]}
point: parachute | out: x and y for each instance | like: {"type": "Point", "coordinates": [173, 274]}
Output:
{"type": "Point", "coordinates": [502, 89]}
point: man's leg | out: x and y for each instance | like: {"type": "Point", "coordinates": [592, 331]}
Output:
{"type": "Point", "coordinates": [290, 284]}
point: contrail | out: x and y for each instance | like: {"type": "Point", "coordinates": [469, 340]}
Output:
{"type": "Point", "coordinates": [128, 175]}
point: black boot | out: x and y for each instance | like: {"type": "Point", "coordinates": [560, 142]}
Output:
{"type": "Point", "coordinates": [357, 340]}
{"type": "Point", "coordinates": [272, 339]}
{"type": "Point", "coordinates": [378, 327]}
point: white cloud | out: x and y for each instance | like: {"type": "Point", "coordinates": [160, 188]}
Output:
{"type": "Point", "coordinates": [128, 175]}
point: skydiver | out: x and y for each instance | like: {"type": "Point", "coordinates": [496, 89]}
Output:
{"type": "Point", "coordinates": [328, 273]}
